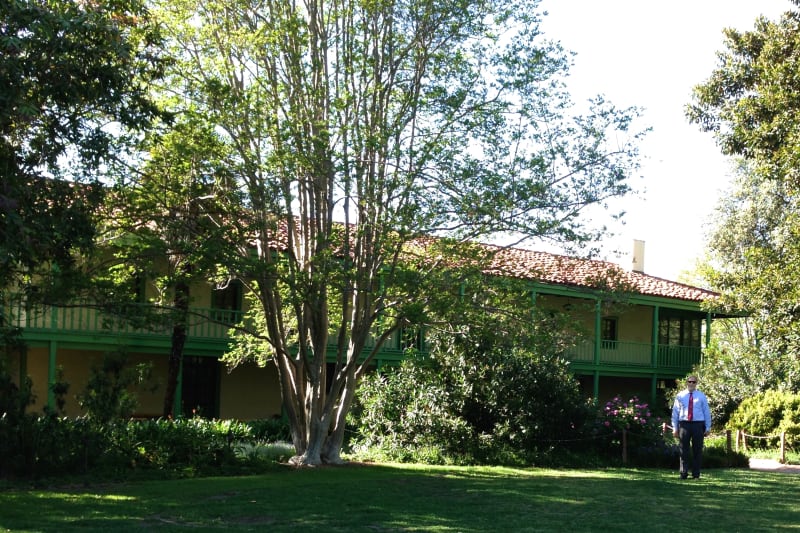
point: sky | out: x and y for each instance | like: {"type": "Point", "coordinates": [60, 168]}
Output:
{"type": "Point", "coordinates": [650, 54]}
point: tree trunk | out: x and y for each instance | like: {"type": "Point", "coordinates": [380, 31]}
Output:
{"type": "Point", "coordinates": [176, 349]}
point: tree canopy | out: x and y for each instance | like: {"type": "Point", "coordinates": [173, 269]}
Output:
{"type": "Point", "coordinates": [750, 103]}
{"type": "Point", "coordinates": [73, 77]}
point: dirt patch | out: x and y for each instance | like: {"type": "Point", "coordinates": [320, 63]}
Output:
{"type": "Point", "coordinates": [770, 465]}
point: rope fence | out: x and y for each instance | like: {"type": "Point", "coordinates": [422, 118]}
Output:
{"type": "Point", "coordinates": [741, 437]}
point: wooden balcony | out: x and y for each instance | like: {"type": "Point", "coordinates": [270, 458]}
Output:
{"type": "Point", "coordinates": [140, 319]}
{"type": "Point", "coordinates": [139, 327]}
{"type": "Point", "coordinates": [634, 354]}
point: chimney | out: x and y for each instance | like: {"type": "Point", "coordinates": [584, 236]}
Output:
{"type": "Point", "coordinates": [638, 256]}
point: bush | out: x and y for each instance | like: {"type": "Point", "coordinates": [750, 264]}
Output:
{"type": "Point", "coordinates": [499, 406]}
{"type": "Point", "coordinates": [108, 395]}
{"type": "Point", "coordinates": [643, 431]}
{"type": "Point", "coordinates": [768, 414]}
{"type": "Point", "coordinates": [48, 445]}
{"type": "Point", "coordinates": [270, 430]}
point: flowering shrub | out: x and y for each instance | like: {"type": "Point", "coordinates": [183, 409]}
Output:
{"type": "Point", "coordinates": [643, 430]}
{"type": "Point", "coordinates": [631, 415]}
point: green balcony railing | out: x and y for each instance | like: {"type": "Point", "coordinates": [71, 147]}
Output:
{"type": "Point", "coordinates": [85, 318]}
{"type": "Point", "coordinates": [636, 354]}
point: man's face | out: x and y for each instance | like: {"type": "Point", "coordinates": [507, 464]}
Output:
{"type": "Point", "coordinates": [691, 383]}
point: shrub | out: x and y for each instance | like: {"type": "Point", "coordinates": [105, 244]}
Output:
{"type": "Point", "coordinates": [497, 406]}
{"type": "Point", "coordinates": [768, 414]}
{"type": "Point", "coordinates": [643, 432]}
{"type": "Point", "coordinates": [270, 430]}
{"type": "Point", "coordinates": [53, 446]}
{"type": "Point", "coordinates": [108, 393]}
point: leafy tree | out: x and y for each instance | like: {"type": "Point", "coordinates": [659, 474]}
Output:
{"type": "Point", "coordinates": [109, 393]}
{"type": "Point", "coordinates": [358, 127]}
{"type": "Point", "coordinates": [67, 72]}
{"type": "Point", "coordinates": [750, 102]}
{"type": "Point", "coordinates": [162, 225]}
{"type": "Point", "coordinates": [495, 389]}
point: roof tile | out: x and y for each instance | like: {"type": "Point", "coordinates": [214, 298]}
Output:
{"type": "Point", "coordinates": [587, 273]}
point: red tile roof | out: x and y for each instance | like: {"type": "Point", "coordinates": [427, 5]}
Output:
{"type": "Point", "coordinates": [563, 270]}
{"type": "Point", "coordinates": [585, 273]}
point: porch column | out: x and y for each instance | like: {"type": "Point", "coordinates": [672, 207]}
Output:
{"type": "Point", "coordinates": [654, 348]}
{"type": "Point", "coordinates": [653, 388]}
{"type": "Point", "coordinates": [597, 331]}
{"type": "Point", "coordinates": [596, 386]}
{"type": "Point", "coordinates": [708, 337]}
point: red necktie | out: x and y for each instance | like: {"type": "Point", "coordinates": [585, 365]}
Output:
{"type": "Point", "coordinates": [690, 414]}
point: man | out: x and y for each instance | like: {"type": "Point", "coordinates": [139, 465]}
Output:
{"type": "Point", "coordinates": [691, 421]}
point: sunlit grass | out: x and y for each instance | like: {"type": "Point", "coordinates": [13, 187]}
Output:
{"type": "Point", "coordinates": [417, 498]}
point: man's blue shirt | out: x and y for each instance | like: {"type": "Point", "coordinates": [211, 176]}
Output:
{"type": "Point", "coordinates": [700, 412]}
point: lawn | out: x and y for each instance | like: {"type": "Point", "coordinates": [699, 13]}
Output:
{"type": "Point", "coordinates": [419, 498]}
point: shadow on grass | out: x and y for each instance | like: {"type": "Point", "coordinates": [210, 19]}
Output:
{"type": "Point", "coordinates": [416, 498]}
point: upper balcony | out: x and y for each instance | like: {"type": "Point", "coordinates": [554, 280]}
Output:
{"type": "Point", "coordinates": [208, 334]}
{"type": "Point", "coordinates": [635, 355]}
{"type": "Point", "coordinates": [143, 327]}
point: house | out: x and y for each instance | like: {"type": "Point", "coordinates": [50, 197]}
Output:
{"type": "Point", "coordinates": [651, 332]}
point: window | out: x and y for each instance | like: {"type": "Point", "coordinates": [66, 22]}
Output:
{"type": "Point", "coordinates": [679, 331]}
{"type": "Point", "coordinates": [608, 332]}
{"type": "Point", "coordinates": [227, 302]}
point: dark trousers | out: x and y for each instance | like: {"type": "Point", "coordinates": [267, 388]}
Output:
{"type": "Point", "coordinates": [690, 435]}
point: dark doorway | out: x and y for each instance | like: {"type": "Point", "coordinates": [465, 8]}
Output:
{"type": "Point", "coordinates": [200, 385]}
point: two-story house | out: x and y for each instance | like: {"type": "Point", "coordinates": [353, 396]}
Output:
{"type": "Point", "coordinates": [639, 341]}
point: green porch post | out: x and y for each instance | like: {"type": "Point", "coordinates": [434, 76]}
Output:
{"type": "Point", "coordinates": [653, 389]}
{"type": "Point", "coordinates": [708, 337]}
{"type": "Point", "coordinates": [596, 386]}
{"type": "Point", "coordinates": [654, 352]}
{"type": "Point", "coordinates": [654, 357]}
{"type": "Point", "coordinates": [51, 376]}
{"type": "Point", "coordinates": [597, 331]}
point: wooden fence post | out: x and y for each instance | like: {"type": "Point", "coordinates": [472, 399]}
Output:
{"type": "Point", "coordinates": [624, 446]}
{"type": "Point", "coordinates": [783, 447]}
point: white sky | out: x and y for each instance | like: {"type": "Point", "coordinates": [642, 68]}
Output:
{"type": "Point", "coordinates": [650, 54]}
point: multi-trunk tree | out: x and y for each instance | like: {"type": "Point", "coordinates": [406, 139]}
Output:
{"type": "Point", "coordinates": [359, 132]}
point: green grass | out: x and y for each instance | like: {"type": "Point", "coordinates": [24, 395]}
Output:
{"type": "Point", "coordinates": [418, 498]}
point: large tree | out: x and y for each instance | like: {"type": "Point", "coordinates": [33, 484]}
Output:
{"type": "Point", "coordinates": [357, 127]}
{"type": "Point", "coordinates": [160, 230]}
{"type": "Point", "coordinates": [73, 77]}
{"type": "Point", "coordinates": [751, 103]}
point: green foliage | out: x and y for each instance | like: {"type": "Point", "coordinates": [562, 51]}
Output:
{"type": "Point", "coordinates": [68, 70]}
{"type": "Point", "coordinates": [270, 430]}
{"type": "Point", "coordinates": [644, 436]}
{"type": "Point", "coordinates": [750, 103]}
{"type": "Point", "coordinates": [500, 406]}
{"type": "Point", "coordinates": [49, 446]}
{"type": "Point", "coordinates": [407, 414]}
{"type": "Point", "coordinates": [14, 398]}
{"type": "Point", "coordinates": [108, 395]}
{"type": "Point", "coordinates": [767, 414]}
{"type": "Point", "coordinates": [734, 368]}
